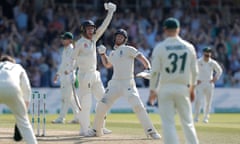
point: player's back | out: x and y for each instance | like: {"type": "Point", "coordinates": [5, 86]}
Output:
{"type": "Point", "coordinates": [177, 59]}
{"type": "Point", "coordinates": [10, 73]}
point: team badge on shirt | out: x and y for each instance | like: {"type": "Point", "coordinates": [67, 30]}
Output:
{"type": "Point", "coordinates": [85, 45]}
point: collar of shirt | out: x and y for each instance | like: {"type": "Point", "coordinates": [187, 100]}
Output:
{"type": "Point", "coordinates": [173, 38]}
{"type": "Point", "coordinates": [116, 47]}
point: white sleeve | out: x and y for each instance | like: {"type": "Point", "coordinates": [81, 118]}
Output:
{"type": "Point", "coordinates": [217, 68]}
{"type": "Point", "coordinates": [25, 86]}
{"type": "Point", "coordinates": [104, 25]}
{"type": "Point", "coordinates": [75, 53]}
{"type": "Point", "coordinates": [156, 64]}
{"type": "Point", "coordinates": [194, 67]}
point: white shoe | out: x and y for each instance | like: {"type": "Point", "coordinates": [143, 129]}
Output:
{"type": "Point", "coordinates": [155, 135]}
{"type": "Point", "coordinates": [90, 133]}
{"type": "Point", "coordinates": [73, 121]}
{"type": "Point", "coordinates": [58, 121]}
{"type": "Point", "coordinates": [106, 131]}
{"type": "Point", "coordinates": [205, 120]}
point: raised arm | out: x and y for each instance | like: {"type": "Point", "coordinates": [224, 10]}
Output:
{"type": "Point", "coordinates": [102, 51]}
{"type": "Point", "coordinates": [111, 9]}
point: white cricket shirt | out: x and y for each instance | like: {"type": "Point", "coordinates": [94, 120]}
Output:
{"type": "Point", "coordinates": [206, 69]}
{"type": "Point", "coordinates": [122, 59]}
{"type": "Point", "coordinates": [16, 75]}
{"type": "Point", "coordinates": [67, 60]}
{"type": "Point", "coordinates": [175, 60]}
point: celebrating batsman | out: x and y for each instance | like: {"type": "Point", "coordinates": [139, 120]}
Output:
{"type": "Point", "coordinates": [122, 84]}
{"type": "Point", "coordinates": [86, 60]}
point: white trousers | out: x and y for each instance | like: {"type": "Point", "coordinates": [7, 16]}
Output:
{"type": "Point", "coordinates": [11, 95]}
{"type": "Point", "coordinates": [67, 97]}
{"type": "Point", "coordinates": [89, 84]}
{"type": "Point", "coordinates": [116, 89]}
{"type": "Point", "coordinates": [204, 92]}
{"type": "Point", "coordinates": [172, 98]}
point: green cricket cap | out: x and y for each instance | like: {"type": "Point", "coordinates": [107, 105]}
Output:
{"type": "Point", "coordinates": [67, 35]}
{"type": "Point", "coordinates": [207, 49]}
{"type": "Point", "coordinates": [171, 23]}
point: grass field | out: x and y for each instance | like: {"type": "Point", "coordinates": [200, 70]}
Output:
{"type": "Point", "coordinates": [222, 129]}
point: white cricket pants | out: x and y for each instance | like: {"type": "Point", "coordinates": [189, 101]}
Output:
{"type": "Point", "coordinates": [204, 91]}
{"type": "Point", "coordinates": [67, 97]}
{"type": "Point", "coordinates": [116, 89]}
{"type": "Point", "coordinates": [11, 95]}
{"type": "Point", "coordinates": [89, 84]}
{"type": "Point", "coordinates": [172, 98]}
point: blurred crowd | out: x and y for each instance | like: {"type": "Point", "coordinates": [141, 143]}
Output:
{"type": "Point", "coordinates": [30, 31]}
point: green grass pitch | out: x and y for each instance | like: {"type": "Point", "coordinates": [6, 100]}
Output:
{"type": "Point", "coordinates": [221, 129]}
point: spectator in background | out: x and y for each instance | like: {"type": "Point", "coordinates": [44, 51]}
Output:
{"type": "Point", "coordinates": [202, 25]}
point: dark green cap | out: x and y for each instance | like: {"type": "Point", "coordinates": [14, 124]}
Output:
{"type": "Point", "coordinates": [67, 35]}
{"type": "Point", "coordinates": [171, 23]}
{"type": "Point", "coordinates": [207, 49]}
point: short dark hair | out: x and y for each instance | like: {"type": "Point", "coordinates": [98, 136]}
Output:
{"type": "Point", "coordinates": [7, 58]}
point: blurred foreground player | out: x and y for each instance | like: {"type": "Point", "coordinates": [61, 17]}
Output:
{"type": "Point", "coordinates": [15, 92]}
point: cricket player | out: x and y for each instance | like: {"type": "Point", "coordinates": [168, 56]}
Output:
{"type": "Point", "coordinates": [173, 78]}
{"type": "Point", "coordinates": [122, 84]}
{"type": "Point", "coordinates": [86, 60]}
{"type": "Point", "coordinates": [209, 73]}
{"type": "Point", "coordinates": [15, 92]}
{"type": "Point", "coordinates": [65, 72]}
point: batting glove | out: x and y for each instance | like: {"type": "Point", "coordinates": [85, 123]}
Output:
{"type": "Point", "coordinates": [101, 49]}
{"type": "Point", "coordinates": [110, 6]}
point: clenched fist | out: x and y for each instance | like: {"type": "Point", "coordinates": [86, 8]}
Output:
{"type": "Point", "coordinates": [101, 49]}
{"type": "Point", "coordinates": [110, 6]}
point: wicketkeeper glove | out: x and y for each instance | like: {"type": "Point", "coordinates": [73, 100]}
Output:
{"type": "Point", "coordinates": [110, 6]}
{"type": "Point", "coordinates": [76, 82]}
{"type": "Point", "coordinates": [101, 49]}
